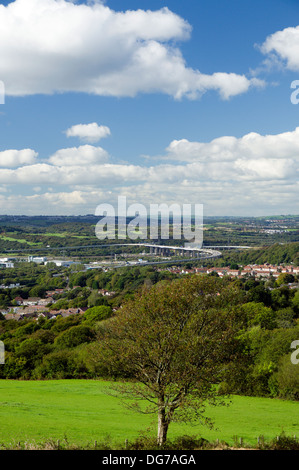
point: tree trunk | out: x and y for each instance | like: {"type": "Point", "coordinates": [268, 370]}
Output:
{"type": "Point", "coordinates": [162, 427]}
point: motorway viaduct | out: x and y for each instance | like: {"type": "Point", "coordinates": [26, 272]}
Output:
{"type": "Point", "coordinates": [189, 250]}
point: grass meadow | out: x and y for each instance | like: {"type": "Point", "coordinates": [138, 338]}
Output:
{"type": "Point", "coordinates": [82, 412]}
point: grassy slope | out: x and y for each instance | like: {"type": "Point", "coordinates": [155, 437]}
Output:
{"type": "Point", "coordinates": [81, 411]}
{"type": "Point", "coordinates": [18, 240]}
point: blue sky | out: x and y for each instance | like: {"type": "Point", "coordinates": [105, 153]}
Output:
{"type": "Point", "coordinates": [174, 102]}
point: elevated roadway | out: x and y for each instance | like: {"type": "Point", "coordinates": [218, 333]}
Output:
{"type": "Point", "coordinates": [189, 250]}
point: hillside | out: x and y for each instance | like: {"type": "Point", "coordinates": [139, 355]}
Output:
{"type": "Point", "coordinates": [274, 254]}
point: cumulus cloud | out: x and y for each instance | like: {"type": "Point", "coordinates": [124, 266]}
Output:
{"type": "Point", "coordinates": [59, 175]}
{"type": "Point", "coordinates": [66, 199]}
{"type": "Point", "coordinates": [267, 169]}
{"type": "Point", "coordinates": [83, 155]}
{"type": "Point", "coordinates": [250, 197]}
{"type": "Point", "coordinates": [228, 174]}
{"type": "Point", "coordinates": [284, 45]}
{"type": "Point", "coordinates": [88, 132]}
{"type": "Point", "coordinates": [230, 148]}
{"type": "Point", "coordinates": [250, 158]}
{"type": "Point", "coordinates": [14, 158]}
{"type": "Point", "coordinates": [53, 203]}
{"type": "Point", "coordinates": [57, 46]}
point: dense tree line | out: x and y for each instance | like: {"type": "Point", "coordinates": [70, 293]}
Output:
{"type": "Point", "coordinates": [275, 254]}
{"type": "Point", "coordinates": [47, 349]}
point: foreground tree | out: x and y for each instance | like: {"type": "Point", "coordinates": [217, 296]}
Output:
{"type": "Point", "coordinates": [174, 340]}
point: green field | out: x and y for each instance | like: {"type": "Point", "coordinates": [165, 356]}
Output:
{"type": "Point", "coordinates": [18, 240]}
{"type": "Point", "coordinates": [82, 412]}
{"type": "Point", "coordinates": [61, 235]}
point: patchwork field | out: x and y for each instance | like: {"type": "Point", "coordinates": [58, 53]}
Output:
{"type": "Point", "coordinates": [83, 412]}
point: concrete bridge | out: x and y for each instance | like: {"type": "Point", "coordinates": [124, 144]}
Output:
{"type": "Point", "coordinates": [189, 250]}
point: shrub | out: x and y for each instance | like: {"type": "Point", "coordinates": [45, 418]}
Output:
{"type": "Point", "coordinates": [26, 329]}
{"type": "Point", "coordinates": [62, 324]}
{"type": "Point", "coordinates": [45, 336]}
{"type": "Point", "coordinates": [74, 336]}
{"type": "Point", "coordinates": [32, 349]}
{"type": "Point", "coordinates": [281, 442]}
{"type": "Point", "coordinates": [179, 443]}
{"type": "Point", "coordinates": [62, 364]}
{"type": "Point", "coordinates": [99, 313]}
{"type": "Point", "coordinates": [287, 378]}
{"type": "Point", "coordinates": [56, 365]}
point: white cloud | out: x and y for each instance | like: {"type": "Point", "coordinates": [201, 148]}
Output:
{"type": "Point", "coordinates": [83, 155]}
{"type": "Point", "coordinates": [57, 46]}
{"type": "Point", "coordinates": [284, 45]}
{"type": "Point", "coordinates": [69, 199]}
{"type": "Point", "coordinates": [88, 132]}
{"type": "Point", "coordinates": [218, 197]}
{"type": "Point", "coordinates": [14, 158]}
{"type": "Point", "coordinates": [229, 175]}
{"type": "Point", "coordinates": [267, 169]}
{"type": "Point", "coordinates": [230, 148]}
{"type": "Point", "coordinates": [58, 203]}
{"type": "Point", "coordinates": [93, 174]}
{"type": "Point", "coordinates": [227, 158]}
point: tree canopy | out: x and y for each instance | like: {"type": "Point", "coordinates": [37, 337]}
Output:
{"type": "Point", "coordinates": [174, 340]}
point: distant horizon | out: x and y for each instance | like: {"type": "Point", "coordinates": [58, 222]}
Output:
{"type": "Point", "coordinates": [95, 216]}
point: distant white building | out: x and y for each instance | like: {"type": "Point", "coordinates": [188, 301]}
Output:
{"type": "Point", "coordinates": [37, 259]}
{"type": "Point", "coordinates": [58, 262]}
{"type": "Point", "coordinates": [6, 263]}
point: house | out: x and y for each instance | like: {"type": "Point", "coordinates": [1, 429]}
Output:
{"type": "Point", "coordinates": [4, 311]}
{"type": "Point", "coordinates": [220, 271]}
{"type": "Point", "coordinates": [261, 273]}
{"type": "Point", "coordinates": [201, 270]}
{"type": "Point", "coordinates": [50, 293]}
{"type": "Point", "coordinates": [47, 315]}
{"type": "Point", "coordinates": [69, 311]}
{"type": "Point", "coordinates": [31, 301]}
{"type": "Point", "coordinates": [232, 272]}
{"type": "Point", "coordinates": [46, 301]}
{"type": "Point", "coordinates": [106, 292]}
{"type": "Point", "coordinates": [14, 316]}
{"type": "Point", "coordinates": [6, 265]}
